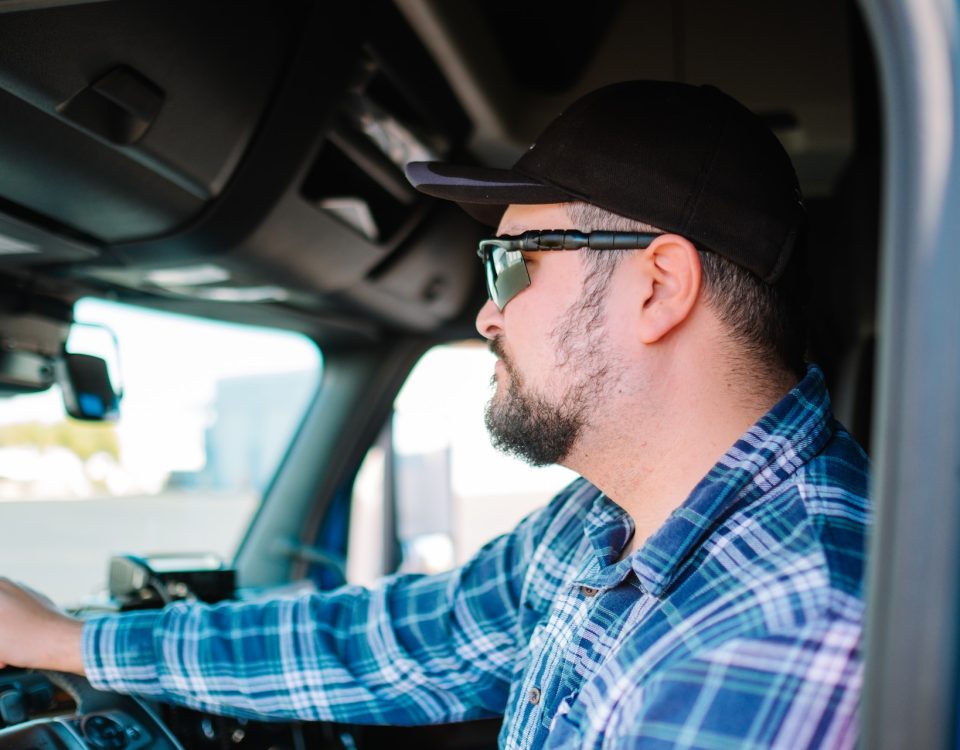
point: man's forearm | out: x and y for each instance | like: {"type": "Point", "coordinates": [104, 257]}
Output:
{"type": "Point", "coordinates": [328, 656]}
{"type": "Point", "coordinates": [35, 634]}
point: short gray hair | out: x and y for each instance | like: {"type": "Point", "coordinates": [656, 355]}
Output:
{"type": "Point", "coordinates": [764, 319]}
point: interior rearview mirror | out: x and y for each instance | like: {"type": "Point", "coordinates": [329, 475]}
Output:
{"type": "Point", "coordinates": [88, 392]}
{"type": "Point", "coordinates": [37, 352]}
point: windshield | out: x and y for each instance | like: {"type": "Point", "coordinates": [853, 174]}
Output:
{"type": "Point", "coordinates": [208, 412]}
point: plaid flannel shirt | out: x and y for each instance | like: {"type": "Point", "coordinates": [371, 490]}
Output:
{"type": "Point", "coordinates": [736, 625]}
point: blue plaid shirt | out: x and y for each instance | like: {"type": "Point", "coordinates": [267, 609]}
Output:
{"type": "Point", "coordinates": [736, 625]}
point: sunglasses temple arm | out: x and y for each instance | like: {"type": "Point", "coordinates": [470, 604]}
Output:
{"type": "Point", "coordinates": [573, 239]}
{"type": "Point", "coordinates": [620, 240]}
{"type": "Point", "coordinates": [556, 239]}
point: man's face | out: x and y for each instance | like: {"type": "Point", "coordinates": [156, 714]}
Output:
{"type": "Point", "coordinates": [556, 367]}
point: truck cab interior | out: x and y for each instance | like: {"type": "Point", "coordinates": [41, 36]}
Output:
{"type": "Point", "coordinates": [243, 163]}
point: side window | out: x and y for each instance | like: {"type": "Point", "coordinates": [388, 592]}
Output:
{"type": "Point", "coordinates": [208, 413]}
{"type": "Point", "coordinates": [452, 491]}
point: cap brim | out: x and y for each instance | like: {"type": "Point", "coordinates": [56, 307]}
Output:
{"type": "Point", "coordinates": [482, 192]}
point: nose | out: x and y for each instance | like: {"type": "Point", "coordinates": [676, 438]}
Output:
{"type": "Point", "coordinates": [489, 320]}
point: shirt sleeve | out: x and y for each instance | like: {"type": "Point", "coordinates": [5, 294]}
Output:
{"type": "Point", "coordinates": [416, 650]}
{"type": "Point", "coordinates": [791, 691]}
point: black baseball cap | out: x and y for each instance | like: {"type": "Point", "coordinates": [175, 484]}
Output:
{"type": "Point", "coordinates": [686, 159]}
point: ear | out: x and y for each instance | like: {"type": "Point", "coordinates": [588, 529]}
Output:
{"type": "Point", "coordinates": [671, 269]}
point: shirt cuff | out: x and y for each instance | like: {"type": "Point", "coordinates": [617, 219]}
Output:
{"type": "Point", "coordinates": [119, 652]}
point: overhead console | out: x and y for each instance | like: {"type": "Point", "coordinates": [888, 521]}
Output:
{"type": "Point", "coordinates": [121, 120]}
{"type": "Point", "coordinates": [227, 154]}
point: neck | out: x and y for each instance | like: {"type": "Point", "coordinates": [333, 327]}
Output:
{"type": "Point", "coordinates": [655, 446]}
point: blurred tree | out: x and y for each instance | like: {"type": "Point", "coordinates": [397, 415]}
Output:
{"type": "Point", "coordinates": [84, 439]}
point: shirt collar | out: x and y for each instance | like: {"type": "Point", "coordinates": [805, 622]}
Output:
{"type": "Point", "coordinates": [782, 441]}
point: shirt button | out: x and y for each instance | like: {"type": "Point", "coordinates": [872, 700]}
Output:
{"type": "Point", "coordinates": [534, 696]}
{"type": "Point", "coordinates": [588, 591]}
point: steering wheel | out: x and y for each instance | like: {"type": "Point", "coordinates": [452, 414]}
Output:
{"type": "Point", "coordinates": [103, 721]}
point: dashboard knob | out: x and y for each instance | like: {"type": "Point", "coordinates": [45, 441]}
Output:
{"type": "Point", "coordinates": [104, 733]}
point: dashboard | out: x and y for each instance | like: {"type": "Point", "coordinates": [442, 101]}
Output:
{"type": "Point", "coordinates": [42, 710]}
{"type": "Point", "coordinates": [63, 712]}
{"type": "Point", "coordinates": [53, 711]}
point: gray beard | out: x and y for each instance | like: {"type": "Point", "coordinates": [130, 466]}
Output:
{"type": "Point", "coordinates": [529, 427]}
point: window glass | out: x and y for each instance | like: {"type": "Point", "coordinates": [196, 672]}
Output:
{"type": "Point", "coordinates": [207, 414]}
{"type": "Point", "coordinates": [454, 491]}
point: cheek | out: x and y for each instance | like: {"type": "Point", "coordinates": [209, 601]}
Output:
{"type": "Point", "coordinates": [536, 321]}
{"type": "Point", "coordinates": [621, 324]}
{"type": "Point", "coordinates": [532, 345]}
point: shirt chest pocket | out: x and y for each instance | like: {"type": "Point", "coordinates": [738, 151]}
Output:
{"type": "Point", "coordinates": [564, 729]}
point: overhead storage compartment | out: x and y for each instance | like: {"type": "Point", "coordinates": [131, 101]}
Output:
{"type": "Point", "coordinates": [143, 113]}
{"type": "Point", "coordinates": [231, 153]}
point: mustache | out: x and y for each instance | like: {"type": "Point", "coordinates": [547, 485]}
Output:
{"type": "Point", "coordinates": [497, 346]}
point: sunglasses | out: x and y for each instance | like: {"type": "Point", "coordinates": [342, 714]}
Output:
{"type": "Point", "coordinates": [506, 270]}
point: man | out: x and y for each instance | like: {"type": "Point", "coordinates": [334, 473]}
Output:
{"type": "Point", "coordinates": [701, 586]}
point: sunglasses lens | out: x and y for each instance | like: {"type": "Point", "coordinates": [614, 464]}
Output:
{"type": "Point", "coordinates": [506, 274]}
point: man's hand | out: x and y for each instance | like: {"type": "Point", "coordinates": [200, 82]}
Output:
{"type": "Point", "coordinates": [34, 633]}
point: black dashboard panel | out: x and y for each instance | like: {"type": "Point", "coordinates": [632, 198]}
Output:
{"type": "Point", "coordinates": [197, 76]}
{"type": "Point", "coordinates": [142, 139]}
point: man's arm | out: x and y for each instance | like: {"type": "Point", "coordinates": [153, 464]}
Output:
{"type": "Point", "coordinates": [416, 650]}
{"type": "Point", "coordinates": [35, 633]}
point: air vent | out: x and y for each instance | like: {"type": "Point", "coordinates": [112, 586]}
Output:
{"type": "Point", "coordinates": [358, 175]}
{"type": "Point", "coordinates": [399, 110]}
{"type": "Point", "coordinates": [369, 194]}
